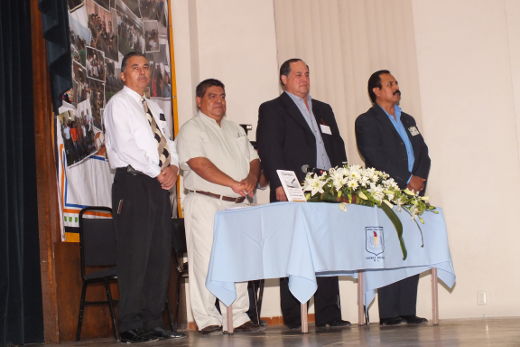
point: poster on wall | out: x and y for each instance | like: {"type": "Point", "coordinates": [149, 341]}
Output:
{"type": "Point", "coordinates": [101, 33]}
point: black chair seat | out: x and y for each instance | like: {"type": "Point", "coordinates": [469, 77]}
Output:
{"type": "Point", "coordinates": [109, 273]}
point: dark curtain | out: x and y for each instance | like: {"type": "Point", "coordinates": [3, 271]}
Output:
{"type": "Point", "coordinates": [21, 319]}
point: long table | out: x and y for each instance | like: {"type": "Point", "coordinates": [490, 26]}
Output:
{"type": "Point", "coordinates": [305, 240]}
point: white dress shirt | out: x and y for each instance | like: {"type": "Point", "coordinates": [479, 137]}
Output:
{"type": "Point", "coordinates": [226, 146]}
{"type": "Point", "coordinates": [129, 139]}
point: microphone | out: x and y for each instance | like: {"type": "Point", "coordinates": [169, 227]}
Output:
{"type": "Point", "coordinates": [306, 168]}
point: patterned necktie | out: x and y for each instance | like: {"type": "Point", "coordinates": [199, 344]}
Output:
{"type": "Point", "coordinates": [164, 155]}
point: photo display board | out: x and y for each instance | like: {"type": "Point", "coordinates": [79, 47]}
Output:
{"type": "Point", "coordinates": [101, 33]}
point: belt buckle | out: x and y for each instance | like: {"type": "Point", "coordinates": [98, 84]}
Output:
{"type": "Point", "coordinates": [131, 170]}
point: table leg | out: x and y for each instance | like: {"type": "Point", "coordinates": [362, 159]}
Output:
{"type": "Point", "coordinates": [435, 297]}
{"type": "Point", "coordinates": [305, 321]}
{"type": "Point", "coordinates": [361, 299]}
{"type": "Point", "coordinates": [229, 311]}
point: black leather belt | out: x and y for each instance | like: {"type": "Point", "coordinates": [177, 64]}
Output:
{"type": "Point", "coordinates": [220, 197]}
{"type": "Point", "coordinates": [129, 169]}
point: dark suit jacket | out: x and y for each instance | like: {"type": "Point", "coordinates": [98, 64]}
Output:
{"type": "Point", "coordinates": [285, 141]}
{"type": "Point", "coordinates": [383, 149]}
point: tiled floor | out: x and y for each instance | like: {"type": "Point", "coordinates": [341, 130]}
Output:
{"type": "Point", "coordinates": [474, 333]}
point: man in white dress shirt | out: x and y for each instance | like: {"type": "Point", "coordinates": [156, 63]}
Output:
{"type": "Point", "coordinates": [220, 168]}
{"type": "Point", "coordinates": [140, 149]}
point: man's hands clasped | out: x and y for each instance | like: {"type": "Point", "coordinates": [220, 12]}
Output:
{"type": "Point", "coordinates": [168, 177]}
{"type": "Point", "coordinates": [245, 187]}
{"type": "Point", "coordinates": [416, 183]}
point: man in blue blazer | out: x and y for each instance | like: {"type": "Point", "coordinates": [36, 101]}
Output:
{"type": "Point", "coordinates": [389, 140]}
{"type": "Point", "coordinates": [297, 133]}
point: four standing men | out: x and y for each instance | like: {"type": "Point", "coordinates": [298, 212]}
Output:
{"type": "Point", "coordinates": [389, 141]}
{"type": "Point", "coordinates": [296, 132]}
{"type": "Point", "coordinates": [140, 149]}
{"type": "Point", "coordinates": [221, 169]}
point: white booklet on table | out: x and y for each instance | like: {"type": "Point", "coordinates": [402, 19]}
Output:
{"type": "Point", "coordinates": [291, 186]}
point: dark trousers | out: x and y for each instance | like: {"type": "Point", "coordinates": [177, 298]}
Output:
{"type": "Point", "coordinates": [399, 298]}
{"type": "Point", "coordinates": [326, 302]}
{"type": "Point", "coordinates": [142, 215]}
{"type": "Point", "coordinates": [252, 291]}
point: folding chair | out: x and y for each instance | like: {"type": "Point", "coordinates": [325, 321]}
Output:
{"type": "Point", "coordinates": [98, 259]}
{"type": "Point", "coordinates": [179, 246]}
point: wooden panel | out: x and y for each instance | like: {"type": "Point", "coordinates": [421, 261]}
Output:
{"type": "Point", "coordinates": [48, 220]}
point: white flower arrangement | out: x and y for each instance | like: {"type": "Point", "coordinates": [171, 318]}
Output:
{"type": "Point", "coordinates": [368, 187]}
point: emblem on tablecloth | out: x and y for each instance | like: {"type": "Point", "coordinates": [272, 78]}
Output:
{"type": "Point", "coordinates": [374, 240]}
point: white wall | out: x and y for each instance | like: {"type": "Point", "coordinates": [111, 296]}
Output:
{"type": "Point", "coordinates": [459, 67]}
{"type": "Point", "coordinates": [233, 41]}
{"type": "Point", "coordinates": [512, 10]}
{"type": "Point", "coordinates": [468, 67]}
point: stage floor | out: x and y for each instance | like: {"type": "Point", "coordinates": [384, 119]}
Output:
{"type": "Point", "coordinates": [456, 332]}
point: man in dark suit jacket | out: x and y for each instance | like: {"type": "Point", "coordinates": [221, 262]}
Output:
{"type": "Point", "coordinates": [296, 132]}
{"type": "Point", "coordinates": [389, 141]}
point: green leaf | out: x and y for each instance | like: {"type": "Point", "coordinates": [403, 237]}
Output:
{"type": "Point", "coordinates": [397, 225]}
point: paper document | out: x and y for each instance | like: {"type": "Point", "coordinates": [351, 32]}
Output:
{"type": "Point", "coordinates": [291, 186]}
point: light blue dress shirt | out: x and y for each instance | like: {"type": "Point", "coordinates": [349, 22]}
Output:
{"type": "Point", "coordinates": [399, 127]}
{"type": "Point", "coordinates": [322, 158]}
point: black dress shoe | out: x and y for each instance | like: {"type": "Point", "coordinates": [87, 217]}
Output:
{"type": "Point", "coordinates": [414, 319]}
{"type": "Point", "coordinates": [393, 321]}
{"type": "Point", "coordinates": [248, 327]}
{"type": "Point", "coordinates": [294, 327]}
{"type": "Point", "coordinates": [135, 336]}
{"type": "Point", "coordinates": [163, 334]}
{"type": "Point", "coordinates": [335, 324]}
{"type": "Point", "coordinates": [210, 329]}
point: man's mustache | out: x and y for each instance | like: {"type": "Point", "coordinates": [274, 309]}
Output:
{"type": "Point", "coordinates": [397, 92]}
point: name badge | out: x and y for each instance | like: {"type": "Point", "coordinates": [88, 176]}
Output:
{"type": "Point", "coordinates": [413, 131]}
{"type": "Point", "coordinates": [325, 129]}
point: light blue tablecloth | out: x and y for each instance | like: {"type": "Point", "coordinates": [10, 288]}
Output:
{"type": "Point", "coordinates": [305, 240]}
